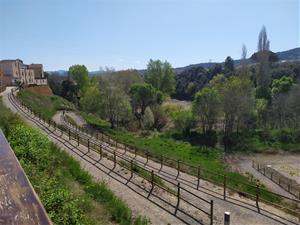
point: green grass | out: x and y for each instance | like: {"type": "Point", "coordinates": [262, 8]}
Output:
{"type": "Point", "coordinates": [68, 192]}
{"type": "Point", "coordinates": [46, 106]}
{"type": "Point", "coordinates": [146, 175]}
{"type": "Point", "coordinates": [209, 159]}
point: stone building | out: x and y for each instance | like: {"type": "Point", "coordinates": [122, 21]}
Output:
{"type": "Point", "coordinates": [15, 72]}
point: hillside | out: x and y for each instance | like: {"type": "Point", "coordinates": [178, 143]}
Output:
{"type": "Point", "coordinates": [291, 54]}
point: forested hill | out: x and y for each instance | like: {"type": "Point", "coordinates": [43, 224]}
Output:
{"type": "Point", "coordinates": [292, 54]}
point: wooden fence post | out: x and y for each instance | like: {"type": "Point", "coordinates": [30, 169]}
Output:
{"type": "Point", "coordinates": [131, 168]}
{"type": "Point", "coordinates": [69, 134]}
{"type": "Point", "coordinates": [211, 212]}
{"type": "Point", "coordinates": [178, 168]}
{"type": "Point", "coordinates": [134, 152]}
{"type": "Point", "coordinates": [115, 159]}
{"type": "Point", "coordinates": [178, 197]}
{"type": "Point", "coordinates": [77, 139]}
{"type": "Point", "coordinates": [161, 162]}
{"type": "Point", "coordinates": [198, 182]}
{"type": "Point", "coordinates": [152, 183]}
{"type": "Point", "coordinates": [271, 175]}
{"type": "Point", "coordinates": [100, 151]}
{"type": "Point", "coordinates": [257, 198]}
{"type": "Point", "coordinates": [147, 157]}
{"type": "Point", "coordinates": [224, 186]}
{"type": "Point", "coordinates": [264, 171]}
{"type": "Point", "coordinates": [88, 145]}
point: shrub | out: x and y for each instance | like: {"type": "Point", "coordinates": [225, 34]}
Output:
{"type": "Point", "coordinates": [184, 121]}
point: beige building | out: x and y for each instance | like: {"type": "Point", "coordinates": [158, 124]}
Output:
{"type": "Point", "coordinates": [15, 72]}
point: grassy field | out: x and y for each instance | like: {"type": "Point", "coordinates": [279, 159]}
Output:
{"type": "Point", "coordinates": [47, 106]}
{"type": "Point", "coordinates": [209, 159]}
{"type": "Point", "coordinates": [68, 192]}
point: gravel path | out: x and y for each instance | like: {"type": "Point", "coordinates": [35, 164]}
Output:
{"type": "Point", "coordinates": [242, 210]}
{"type": "Point", "coordinates": [243, 164]}
{"type": "Point", "coordinates": [210, 191]}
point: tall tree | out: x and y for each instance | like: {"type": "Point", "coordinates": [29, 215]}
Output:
{"type": "Point", "coordinates": [115, 105]}
{"type": "Point", "coordinates": [80, 75]}
{"type": "Point", "coordinates": [237, 103]}
{"type": "Point", "coordinates": [206, 107]}
{"type": "Point", "coordinates": [91, 101]}
{"type": "Point", "coordinates": [263, 77]}
{"type": "Point", "coordinates": [229, 65]}
{"type": "Point", "coordinates": [161, 76]}
{"type": "Point", "coordinates": [143, 96]}
{"type": "Point", "coordinates": [243, 72]}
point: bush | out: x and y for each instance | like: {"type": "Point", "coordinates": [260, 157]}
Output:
{"type": "Point", "coordinates": [184, 121]}
{"type": "Point", "coordinates": [284, 136]}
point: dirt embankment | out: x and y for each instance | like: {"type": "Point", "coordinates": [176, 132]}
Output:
{"type": "Point", "coordinates": [41, 90]}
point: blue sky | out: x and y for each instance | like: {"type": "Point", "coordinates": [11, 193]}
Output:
{"type": "Point", "coordinates": [127, 33]}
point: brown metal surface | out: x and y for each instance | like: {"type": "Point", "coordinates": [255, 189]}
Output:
{"type": "Point", "coordinates": [19, 203]}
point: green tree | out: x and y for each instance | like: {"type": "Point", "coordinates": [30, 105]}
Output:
{"type": "Point", "coordinates": [143, 96]}
{"type": "Point", "coordinates": [184, 121]}
{"type": "Point", "coordinates": [229, 65]}
{"type": "Point", "coordinates": [80, 75]}
{"type": "Point", "coordinates": [161, 76]}
{"type": "Point", "coordinates": [206, 107]}
{"type": "Point", "coordinates": [91, 101]}
{"type": "Point", "coordinates": [69, 91]}
{"type": "Point", "coordinates": [263, 76]}
{"type": "Point", "coordinates": [124, 79]}
{"type": "Point", "coordinates": [115, 106]}
{"type": "Point", "coordinates": [282, 85]}
{"type": "Point", "coordinates": [237, 104]}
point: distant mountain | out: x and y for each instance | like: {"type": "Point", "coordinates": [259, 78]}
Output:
{"type": "Point", "coordinates": [62, 73]}
{"type": "Point", "coordinates": [292, 54]}
{"type": "Point", "coordinates": [289, 55]}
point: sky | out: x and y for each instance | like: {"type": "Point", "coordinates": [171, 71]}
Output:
{"type": "Point", "coordinates": [127, 33]}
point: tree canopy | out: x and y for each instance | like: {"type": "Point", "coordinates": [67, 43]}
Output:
{"type": "Point", "coordinates": [80, 75]}
{"type": "Point", "coordinates": [161, 76]}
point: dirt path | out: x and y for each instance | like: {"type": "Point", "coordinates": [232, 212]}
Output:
{"type": "Point", "coordinates": [208, 191]}
{"type": "Point", "coordinates": [243, 164]}
{"type": "Point", "coordinates": [242, 211]}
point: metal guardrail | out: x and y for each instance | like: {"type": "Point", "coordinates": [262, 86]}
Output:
{"type": "Point", "coordinates": [18, 200]}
